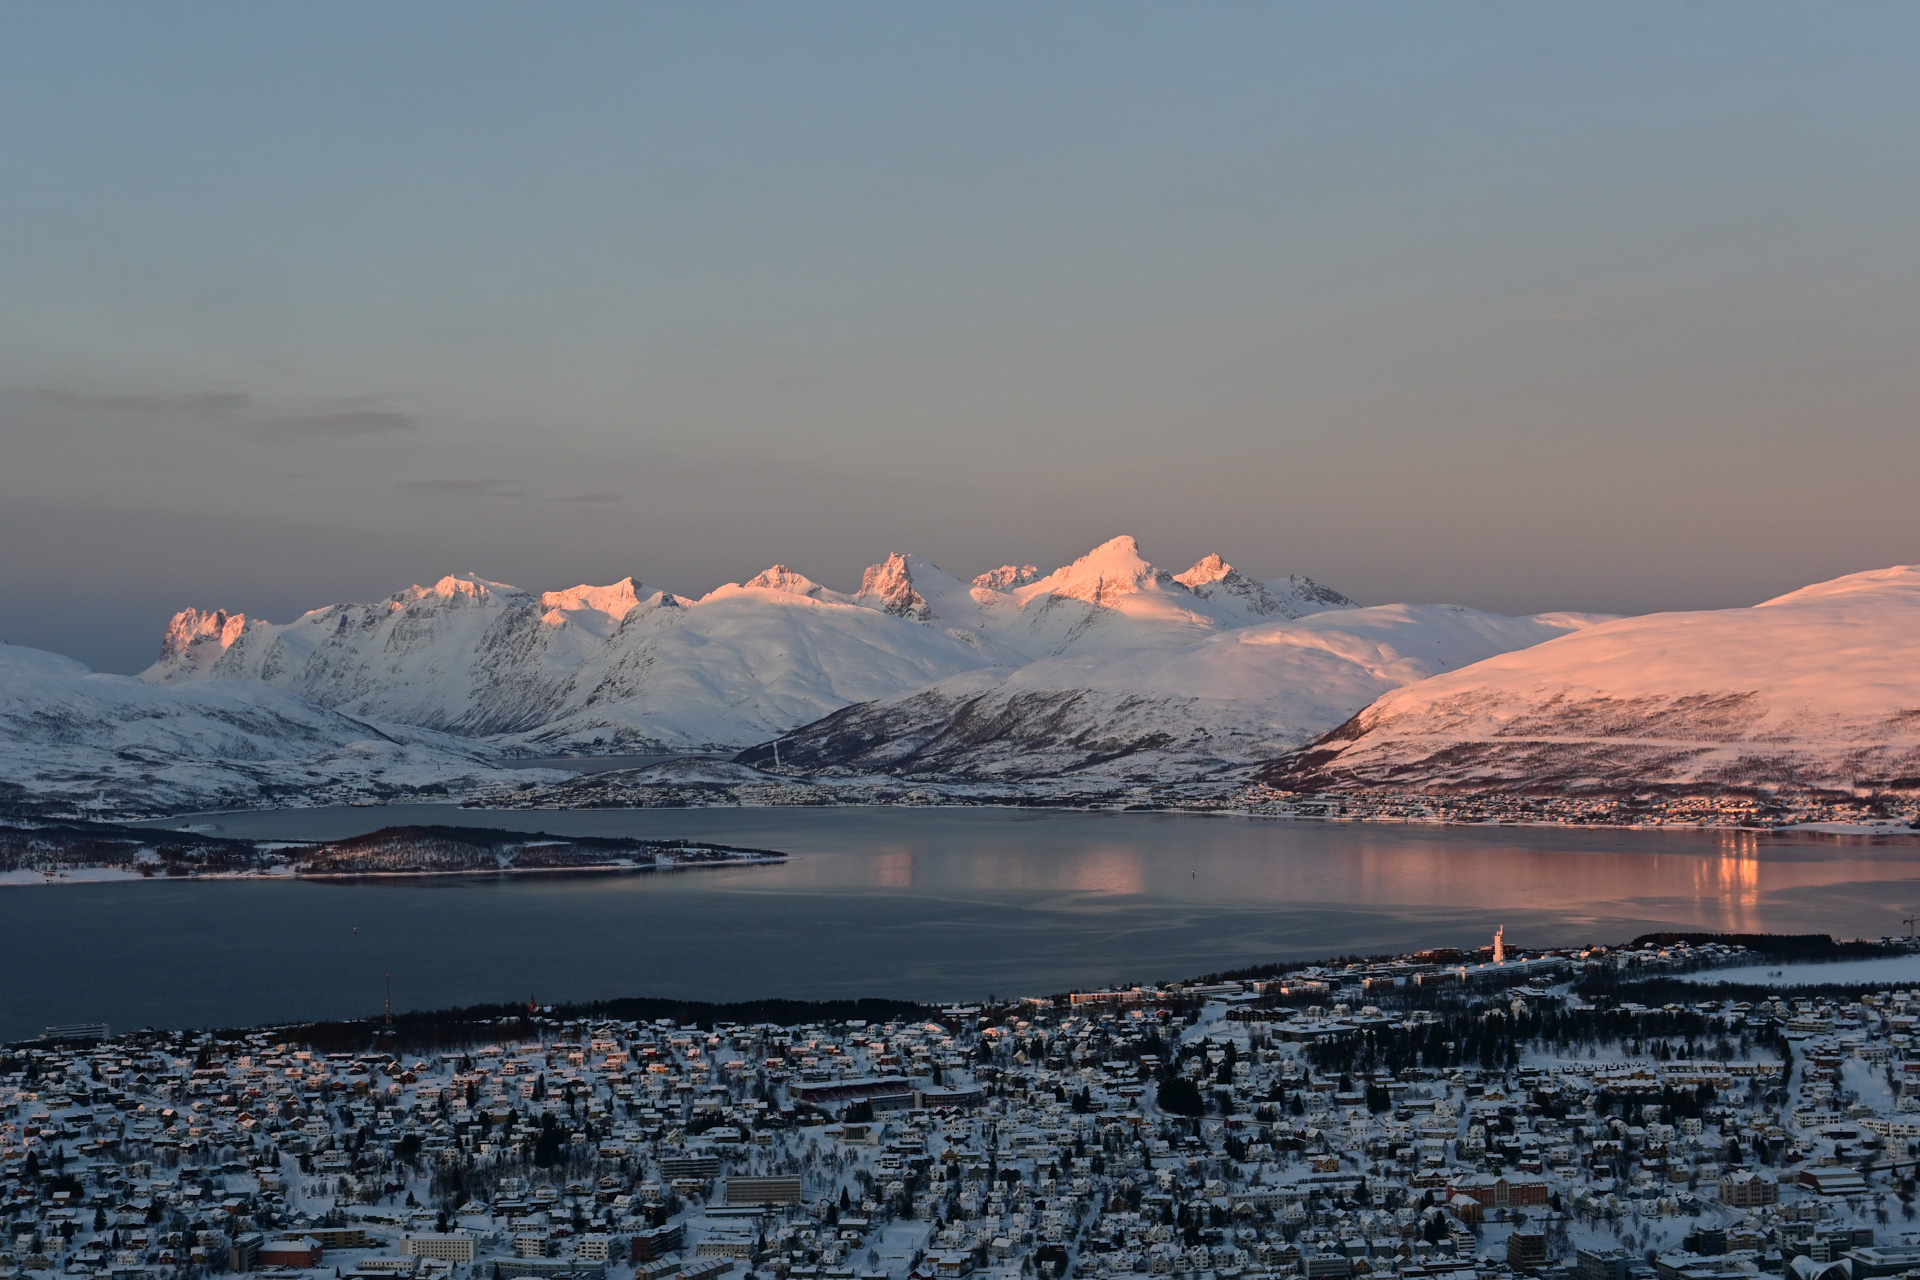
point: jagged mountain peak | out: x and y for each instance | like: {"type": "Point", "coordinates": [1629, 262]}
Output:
{"type": "Point", "coordinates": [1212, 578]}
{"type": "Point", "coordinates": [1206, 569]}
{"type": "Point", "coordinates": [889, 587]}
{"type": "Point", "coordinates": [470, 586]}
{"type": "Point", "coordinates": [1008, 577]}
{"type": "Point", "coordinates": [600, 609]}
{"type": "Point", "coordinates": [196, 638]}
{"type": "Point", "coordinates": [780, 578]}
{"type": "Point", "coordinates": [1114, 568]}
{"type": "Point", "coordinates": [1304, 595]}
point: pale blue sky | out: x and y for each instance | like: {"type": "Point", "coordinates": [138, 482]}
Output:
{"type": "Point", "coordinates": [1604, 306]}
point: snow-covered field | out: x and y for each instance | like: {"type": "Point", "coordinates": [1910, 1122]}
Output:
{"type": "Point", "coordinates": [78, 875]}
{"type": "Point", "coordinates": [1893, 970]}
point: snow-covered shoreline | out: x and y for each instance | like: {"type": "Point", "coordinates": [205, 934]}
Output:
{"type": "Point", "coordinates": [79, 853]}
{"type": "Point", "coordinates": [117, 875]}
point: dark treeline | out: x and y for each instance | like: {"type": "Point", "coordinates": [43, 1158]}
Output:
{"type": "Point", "coordinates": [64, 846]}
{"type": "Point", "coordinates": [153, 851]}
{"type": "Point", "coordinates": [1773, 946]}
{"type": "Point", "coordinates": [436, 1030]}
{"type": "Point", "coordinates": [1492, 1038]}
{"type": "Point", "coordinates": [494, 838]}
{"type": "Point", "coordinates": [1665, 990]}
{"type": "Point", "coordinates": [1279, 969]}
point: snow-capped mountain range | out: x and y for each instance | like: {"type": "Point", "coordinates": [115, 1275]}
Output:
{"type": "Point", "coordinates": [1107, 668]}
{"type": "Point", "coordinates": [626, 668]}
{"type": "Point", "coordinates": [1815, 690]}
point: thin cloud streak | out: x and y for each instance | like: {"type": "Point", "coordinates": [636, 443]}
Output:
{"type": "Point", "coordinates": [449, 488]}
{"type": "Point", "coordinates": [344, 425]}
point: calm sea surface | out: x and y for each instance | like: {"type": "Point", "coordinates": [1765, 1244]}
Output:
{"type": "Point", "coordinates": [943, 904]}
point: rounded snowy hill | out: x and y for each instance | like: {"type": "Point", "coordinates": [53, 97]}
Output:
{"type": "Point", "coordinates": [1816, 690]}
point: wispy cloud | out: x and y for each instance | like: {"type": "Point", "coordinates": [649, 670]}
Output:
{"type": "Point", "coordinates": [344, 424]}
{"type": "Point", "coordinates": [593, 497]}
{"type": "Point", "coordinates": [206, 404]}
{"type": "Point", "coordinates": [449, 488]}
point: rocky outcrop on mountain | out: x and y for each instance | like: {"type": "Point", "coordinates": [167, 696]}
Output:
{"type": "Point", "coordinates": [1007, 577]}
{"type": "Point", "coordinates": [888, 587]}
{"type": "Point", "coordinates": [1814, 691]}
{"type": "Point", "coordinates": [1224, 702]}
{"type": "Point", "coordinates": [1214, 579]}
{"type": "Point", "coordinates": [627, 668]}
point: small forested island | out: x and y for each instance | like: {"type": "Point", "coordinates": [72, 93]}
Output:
{"type": "Point", "coordinates": [94, 851]}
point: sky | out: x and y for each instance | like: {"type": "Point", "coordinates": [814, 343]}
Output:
{"type": "Point", "coordinates": [1581, 306]}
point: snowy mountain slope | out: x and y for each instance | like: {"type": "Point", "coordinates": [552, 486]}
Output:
{"type": "Point", "coordinates": [464, 655]}
{"type": "Point", "coordinates": [76, 740]}
{"type": "Point", "coordinates": [1228, 699]}
{"type": "Point", "coordinates": [623, 668]}
{"type": "Point", "coordinates": [480, 658]}
{"type": "Point", "coordinates": [743, 663]}
{"type": "Point", "coordinates": [1819, 689]}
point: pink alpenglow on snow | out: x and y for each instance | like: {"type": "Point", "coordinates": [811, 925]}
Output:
{"type": "Point", "coordinates": [1815, 690]}
{"type": "Point", "coordinates": [626, 667]}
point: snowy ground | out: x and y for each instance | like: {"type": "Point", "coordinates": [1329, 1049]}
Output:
{"type": "Point", "coordinates": [80, 875]}
{"type": "Point", "coordinates": [1894, 970]}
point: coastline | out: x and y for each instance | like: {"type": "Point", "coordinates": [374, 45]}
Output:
{"type": "Point", "coordinates": [119, 875]}
{"type": "Point", "coordinates": [211, 856]}
{"type": "Point", "coordinates": [93, 853]}
{"type": "Point", "coordinates": [1890, 828]}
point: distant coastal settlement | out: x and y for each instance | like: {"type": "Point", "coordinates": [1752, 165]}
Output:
{"type": "Point", "coordinates": [100, 850]}
{"type": "Point", "coordinates": [48, 835]}
{"type": "Point", "coordinates": [1884, 814]}
{"type": "Point", "coordinates": [724, 785]}
{"type": "Point", "coordinates": [1596, 1113]}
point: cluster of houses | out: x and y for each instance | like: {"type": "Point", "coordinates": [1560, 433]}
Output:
{"type": "Point", "coordinates": [1433, 1116]}
{"type": "Point", "coordinates": [1889, 812]}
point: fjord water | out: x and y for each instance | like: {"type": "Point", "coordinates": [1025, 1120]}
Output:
{"type": "Point", "coordinates": [922, 903]}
